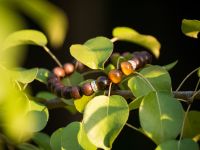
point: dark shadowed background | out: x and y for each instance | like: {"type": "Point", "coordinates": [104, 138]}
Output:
{"type": "Point", "coordinates": [162, 19]}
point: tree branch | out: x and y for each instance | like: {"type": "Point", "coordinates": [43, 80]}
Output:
{"type": "Point", "coordinates": [58, 103]}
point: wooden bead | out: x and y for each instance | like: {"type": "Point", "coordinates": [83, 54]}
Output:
{"type": "Point", "coordinates": [66, 90]}
{"type": "Point", "coordinates": [87, 89]}
{"type": "Point", "coordinates": [115, 76]}
{"type": "Point", "coordinates": [76, 92]}
{"type": "Point", "coordinates": [126, 68]}
{"type": "Point", "coordinates": [102, 82]}
{"type": "Point", "coordinates": [59, 72]}
{"type": "Point", "coordinates": [68, 68]}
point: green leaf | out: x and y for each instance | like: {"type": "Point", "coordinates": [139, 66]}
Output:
{"type": "Point", "coordinates": [55, 140]}
{"type": "Point", "coordinates": [45, 95]}
{"type": "Point", "coordinates": [27, 146]}
{"type": "Point", "coordinates": [51, 18]}
{"type": "Point", "coordinates": [94, 53]}
{"type": "Point", "coordinates": [147, 41]}
{"type": "Point", "coordinates": [75, 138]}
{"type": "Point", "coordinates": [104, 118]}
{"type": "Point", "coordinates": [73, 79]}
{"type": "Point", "coordinates": [158, 77]}
{"type": "Point", "coordinates": [25, 37]}
{"type": "Point", "coordinates": [170, 66]}
{"type": "Point", "coordinates": [81, 103]}
{"type": "Point", "coordinates": [185, 144]}
{"type": "Point", "coordinates": [161, 116]}
{"type": "Point", "coordinates": [39, 113]}
{"type": "Point", "coordinates": [192, 125]}
{"type": "Point", "coordinates": [25, 76]}
{"type": "Point", "coordinates": [43, 75]}
{"type": "Point", "coordinates": [42, 140]}
{"type": "Point", "coordinates": [109, 68]}
{"type": "Point", "coordinates": [191, 28]}
{"type": "Point", "coordinates": [135, 104]}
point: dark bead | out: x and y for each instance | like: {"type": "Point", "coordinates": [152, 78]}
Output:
{"type": "Point", "coordinates": [102, 82]}
{"type": "Point", "coordinates": [147, 56]}
{"type": "Point", "coordinates": [69, 68]}
{"type": "Point", "coordinates": [58, 90]}
{"type": "Point", "coordinates": [87, 89]}
{"type": "Point", "coordinates": [76, 92]}
{"type": "Point", "coordinates": [51, 83]}
{"type": "Point", "coordinates": [66, 90]}
{"type": "Point", "coordinates": [59, 72]}
{"type": "Point", "coordinates": [79, 66]}
{"type": "Point", "coordinates": [56, 86]}
{"type": "Point", "coordinates": [137, 61]}
{"type": "Point", "coordinates": [115, 76]}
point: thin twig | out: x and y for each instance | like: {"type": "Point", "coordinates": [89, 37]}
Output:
{"type": "Point", "coordinates": [52, 56]}
{"type": "Point", "coordinates": [114, 39]}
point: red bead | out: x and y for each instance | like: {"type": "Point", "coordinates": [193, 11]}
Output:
{"type": "Point", "coordinates": [115, 76]}
{"type": "Point", "coordinates": [76, 92]}
{"type": "Point", "coordinates": [126, 68]}
{"type": "Point", "coordinates": [87, 89]}
{"type": "Point", "coordinates": [69, 68]}
{"type": "Point", "coordinates": [59, 72]}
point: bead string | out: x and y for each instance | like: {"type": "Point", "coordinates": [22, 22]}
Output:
{"type": "Point", "coordinates": [139, 60]}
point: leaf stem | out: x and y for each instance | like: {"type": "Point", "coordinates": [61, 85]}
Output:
{"type": "Point", "coordinates": [186, 78]}
{"type": "Point", "coordinates": [110, 88]}
{"type": "Point", "coordinates": [114, 39]}
{"type": "Point", "coordinates": [118, 60]}
{"type": "Point", "coordinates": [52, 56]}
{"type": "Point", "coordinates": [197, 85]}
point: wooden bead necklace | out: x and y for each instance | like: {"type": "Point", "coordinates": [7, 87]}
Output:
{"type": "Point", "coordinates": [139, 60]}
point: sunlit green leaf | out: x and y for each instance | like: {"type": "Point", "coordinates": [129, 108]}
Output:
{"type": "Point", "coordinates": [42, 140]}
{"type": "Point", "coordinates": [25, 76]}
{"type": "Point", "coordinates": [158, 77]}
{"type": "Point", "coordinates": [74, 138]}
{"type": "Point", "coordinates": [51, 18]}
{"type": "Point", "coordinates": [109, 68]}
{"type": "Point", "coordinates": [161, 116]}
{"type": "Point", "coordinates": [135, 104]}
{"type": "Point", "coordinates": [73, 79]}
{"type": "Point", "coordinates": [42, 75]}
{"type": "Point", "coordinates": [55, 140]}
{"type": "Point", "coordinates": [104, 118]}
{"type": "Point", "coordinates": [147, 41]}
{"type": "Point", "coordinates": [191, 28]}
{"type": "Point", "coordinates": [25, 37]}
{"type": "Point", "coordinates": [94, 53]}
{"type": "Point", "coordinates": [192, 125]}
{"type": "Point", "coordinates": [39, 113]}
{"type": "Point", "coordinates": [185, 144]}
{"type": "Point", "coordinates": [171, 65]}
{"type": "Point", "coordinates": [82, 102]}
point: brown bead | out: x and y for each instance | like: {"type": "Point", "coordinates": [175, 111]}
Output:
{"type": "Point", "coordinates": [76, 92]}
{"type": "Point", "coordinates": [66, 90]}
{"type": "Point", "coordinates": [115, 76]}
{"type": "Point", "coordinates": [87, 89]}
{"type": "Point", "coordinates": [59, 72]}
{"type": "Point", "coordinates": [126, 68]}
{"type": "Point", "coordinates": [102, 82]}
{"type": "Point", "coordinates": [147, 56]}
{"type": "Point", "coordinates": [69, 68]}
{"type": "Point", "coordinates": [58, 90]}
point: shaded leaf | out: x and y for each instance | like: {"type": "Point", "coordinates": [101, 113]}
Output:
{"type": "Point", "coordinates": [185, 144]}
{"type": "Point", "coordinates": [135, 104]}
{"type": "Point", "coordinates": [81, 103]}
{"type": "Point", "coordinates": [170, 66]}
{"type": "Point", "coordinates": [147, 41]}
{"type": "Point", "coordinates": [161, 116]}
{"type": "Point", "coordinates": [158, 77]}
{"type": "Point", "coordinates": [192, 125]}
{"type": "Point", "coordinates": [43, 75]}
{"type": "Point", "coordinates": [74, 138]}
{"type": "Point", "coordinates": [27, 146]}
{"type": "Point", "coordinates": [190, 28]}
{"type": "Point", "coordinates": [25, 37]}
{"type": "Point", "coordinates": [94, 53]}
{"type": "Point", "coordinates": [55, 140]}
{"type": "Point", "coordinates": [73, 79]}
{"type": "Point", "coordinates": [51, 18]}
{"type": "Point", "coordinates": [109, 68]}
{"type": "Point", "coordinates": [42, 140]}
{"type": "Point", "coordinates": [45, 95]}
{"type": "Point", "coordinates": [104, 118]}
